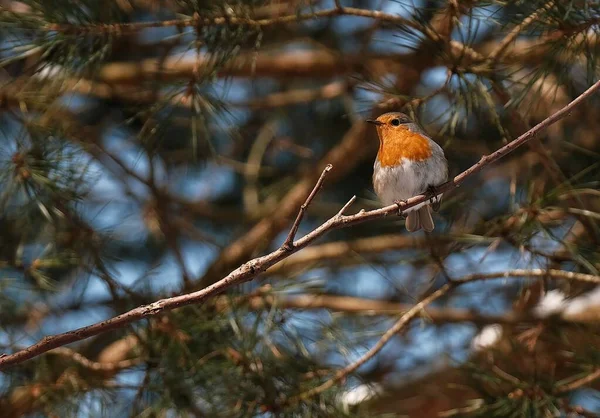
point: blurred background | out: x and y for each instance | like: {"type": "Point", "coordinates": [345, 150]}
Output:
{"type": "Point", "coordinates": [148, 148]}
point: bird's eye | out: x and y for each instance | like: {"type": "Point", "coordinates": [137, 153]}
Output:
{"type": "Point", "coordinates": [395, 122]}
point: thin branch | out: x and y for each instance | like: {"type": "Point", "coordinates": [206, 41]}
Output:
{"type": "Point", "coordinates": [420, 307]}
{"type": "Point", "coordinates": [253, 268]}
{"type": "Point", "coordinates": [396, 328]}
{"type": "Point", "coordinates": [517, 30]}
{"type": "Point", "coordinates": [317, 64]}
{"type": "Point", "coordinates": [551, 273]}
{"type": "Point", "coordinates": [371, 307]}
{"type": "Point", "coordinates": [119, 29]}
{"type": "Point", "coordinates": [576, 384]}
{"type": "Point", "coordinates": [288, 244]}
{"type": "Point", "coordinates": [95, 365]}
{"type": "Point", "coordinates": [292, 97]}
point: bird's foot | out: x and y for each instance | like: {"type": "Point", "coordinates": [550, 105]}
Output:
{"type": "Point", "coordinates": [400, 203]}
{"type": "Point", "coordinates": [434, 200]}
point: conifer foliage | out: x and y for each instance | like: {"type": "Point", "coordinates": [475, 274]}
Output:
{"type": "Point", "coordinates": [148, 149]}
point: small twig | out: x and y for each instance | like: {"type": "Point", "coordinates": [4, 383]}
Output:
{"type": "Point", "coordinates": [288, 244]}
{"type": "Point", "coordinates": [576, 384]}
{"type": "Point", "coordinates": [506, 376]}
{"type": "Point", "coordinates": [517, 30]}
{"type": "Point", "coordinates": [95, 365]}
{"type": "Point", "coordinates": [579, 410]}
{"type": "Point", "coordinates": [553, 273]}
{"type": "Point", "coordinates": [346, 206]}
{"type": "Point", "coordinates": [420, 307]}
{"type": "Point", "coordinates": [396, 328]}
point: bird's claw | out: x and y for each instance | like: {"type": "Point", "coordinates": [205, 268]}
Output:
{"type": "Point", "coordinates": [434, 201]}
{"type": "Point", "coordinates": [400, 203]}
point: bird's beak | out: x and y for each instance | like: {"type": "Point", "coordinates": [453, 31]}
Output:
{"type": "Point", "coordinates": [374, 122]}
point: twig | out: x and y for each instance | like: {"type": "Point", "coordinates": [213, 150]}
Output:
{"type": "Point", "coordinates": [396, 328]}
{"type": "Point", "coordinates": [555, 274]}
{"type": "Point", "coordinates": [253, 268]}
{"type": "Point", "coordinates": [120, 29]}
{"type": "Point", "coordinates": [576, 384]}
{"type": "Point", "coordinates": [517, 30]}
{"type": "Point", "coordinates": [372, 307]}
{"type": "Point", "coordinates": [419, 307]}
{"type": "Point", "coordinates": [316, 64]}
{"type": "Point", "coordinates": [95, 365]}
{"type": "Point", "coordinates": [288, 244]}
{"type": "Point", "coordinates": [346, 206]}
{"type": "Point", "coordinates": [506, 376]}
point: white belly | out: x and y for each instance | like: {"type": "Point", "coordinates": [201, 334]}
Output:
{"type": "Point", "coordinates": [402, 182]}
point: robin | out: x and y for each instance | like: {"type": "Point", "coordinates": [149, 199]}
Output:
{"type": "Point", "coordinates": [408, 163]}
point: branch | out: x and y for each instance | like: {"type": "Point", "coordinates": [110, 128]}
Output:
{"type": "Point", "coordinates": [552, 273]}
{"type": "Point", "coordinates": [337, 250]}
{"type": "Point", "coordinates": [576, 384]}
{"type": "Point", "coordinates": [119, 29]}
{"type": "Point", "coordinates": [95, 365]}
{"type": "Point", "coordinates": [420, 307]}
{"type": "Point", "coordinates": [288, 244]}
{"type": "Point", "coordinates": [253, 268]}
{"type": "Point", "coordinates": [517, 30]}
{"type": "Point", "coordinates": [313, 64]}
{"type": "Point", "coordinates": [396, 328]}
{"type": "Point", "coordinates": [372, 307]}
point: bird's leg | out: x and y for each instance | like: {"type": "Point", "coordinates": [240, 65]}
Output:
{"type": "Point", "coordinates": [435, 202]}
{"type": "Point", "coordinates": [400, 203]}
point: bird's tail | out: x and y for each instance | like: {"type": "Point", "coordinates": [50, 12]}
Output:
{"type": "Point", "coordinates": [420, 218]}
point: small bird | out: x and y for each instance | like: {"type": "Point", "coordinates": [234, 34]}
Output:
{"type": "Point", "coordinates": [408, 163]}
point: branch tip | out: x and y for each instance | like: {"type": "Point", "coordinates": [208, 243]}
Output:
{"type": "Point", "coordinates": [288, 244]}
{"type": "Point", "coordinates": [346, 206]}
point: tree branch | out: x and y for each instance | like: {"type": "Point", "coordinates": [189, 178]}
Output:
{"type": "Point", "coordinates": [576, 384]}
{"type": "Point", "coordinates": [420, 307]}
{"type": "Point", "coordinates": [288, 244]}
{"type": "Point", "coordinates": [372, 307]}
{"type": "Point", "coordinates": [253, 268]}
{"type": "Point", "coordinates": [396, 328]}
{"type": "Point", "coordinates": [517, 30]}
{"type": "Point", "coordinates": [119, 29]}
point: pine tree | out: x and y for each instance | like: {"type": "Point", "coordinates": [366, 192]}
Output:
{"type": "Point", "coordinates": [167, 166]}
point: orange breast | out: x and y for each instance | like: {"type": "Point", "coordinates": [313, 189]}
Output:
{"type": "Point", "coordinates": [398, 143]}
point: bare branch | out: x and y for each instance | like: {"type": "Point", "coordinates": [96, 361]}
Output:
{"type": "Point", "coordinates": [254, 267]}
{"type": "Point", "coordinates": [288, 244]}
{"type": "Point", "coordinates": [346, 206]}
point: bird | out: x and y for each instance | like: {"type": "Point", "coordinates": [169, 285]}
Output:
{"type": "Point", "coordinates": [408, 163]}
